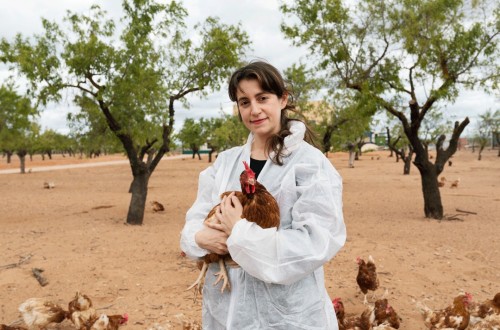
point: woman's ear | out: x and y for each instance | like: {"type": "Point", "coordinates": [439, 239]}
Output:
{"type": "Point", "coordinates": [284, 100]}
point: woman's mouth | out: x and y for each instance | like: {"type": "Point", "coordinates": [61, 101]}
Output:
{"type": "Point", "coordinates": [257, 121]}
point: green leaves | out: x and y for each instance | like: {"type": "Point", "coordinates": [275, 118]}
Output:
{"type": "Point", "coordinates": [132, 76]}
{"type": "Point", "coordinates": [17, 116]}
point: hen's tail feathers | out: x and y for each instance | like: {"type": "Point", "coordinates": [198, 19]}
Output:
{"type": "Point", "coordinates": [423, 309]}
{"type": "Point", "coordinates": [17, 322]}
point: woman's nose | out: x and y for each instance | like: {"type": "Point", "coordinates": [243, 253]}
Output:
{"type": "Point", "coordinates": [255, 110]}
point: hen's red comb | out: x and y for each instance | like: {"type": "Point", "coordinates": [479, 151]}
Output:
{"type": "Point", "coordinates": [247, 168]}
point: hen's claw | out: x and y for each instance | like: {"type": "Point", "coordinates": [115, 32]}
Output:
{"type": "Point", "coordinates": [199, 281]}
{"type": "Point", "coordinates": [222, 275]}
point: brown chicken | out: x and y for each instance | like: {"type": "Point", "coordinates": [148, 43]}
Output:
{"type": "Point", "coordinates": [442, 181]}
{"type": "Point", "coordinates": [383, 327]}
{"type": "Point", "coordinates": [362, 322]}
{"type": "Point", "coordinates": [12, 327]}
{"type": "Point", "coordinates": [490, 322]}
{"type": "Point", "coordinates": [81, 312]}
{"type": "Point", "coordinates": [385, 314]}
{"type": "Point", "coordinates": [259, 206]}
{"type": "Point", "coordinates": [367, 276]}
{"type": "Point", "coordinates": [157, 206]}
{"type": "Point", "coordinates": [109, 322]}
{"type": "Point", "coordinates": [39, 312]}
{"type": "Point", "coordinates": [338, 306]}
{"type": "Point", "coordinates": [479, 311]}
{"type": "Point", "coordinates": [455, 316]}
{"type": "Point", "coordinates": [455, 183]}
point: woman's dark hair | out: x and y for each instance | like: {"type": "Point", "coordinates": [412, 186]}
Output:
{"type": "Point", "coordinates": [271, 81]}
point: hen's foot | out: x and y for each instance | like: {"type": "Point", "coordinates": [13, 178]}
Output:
{"type": "Point", "coordinates": [199, 281]}
{"type": "Point", "coordinates": [222, 275]}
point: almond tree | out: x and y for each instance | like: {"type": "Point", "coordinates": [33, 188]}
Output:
{"type": "Point", "coordinates": [193, 134]}
{"type": "Point", "coordinates": [407, 57]}
{"type": "Point", "coordinates": [487, 129]}
{"type": "Point", "coordinates": [134, 74]}
{"type": "Point", "coordinates": [17, 123]}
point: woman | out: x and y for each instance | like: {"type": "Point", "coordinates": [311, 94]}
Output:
{"type": "Point", "coordinates": [279, 283]}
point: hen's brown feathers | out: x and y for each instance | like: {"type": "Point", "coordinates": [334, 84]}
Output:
{"type": "Point", "coordinates": [80, 311]}
{"type": "Point", "coordinates": [455, 316]}
{"type": "Point", "coordinates": [385, 314]}
{"type": "Point", "coordinates": [259, 207]}
{"type": "Point", "coordinates": [14, 327]}
{"type": "Point", "coordinates": [354, 322]}
{"type": "Point", "coordinates": [480, 311]}
{"type": "Point", "coordinates": [367, 275]}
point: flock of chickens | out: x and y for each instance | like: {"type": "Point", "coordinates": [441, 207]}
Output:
{"type": "Point", "coordinates": [462, 314]}
{"type": "Point", "coordinates": [38, 313]}
{"type": "Point", "coordinates": [453, 184]}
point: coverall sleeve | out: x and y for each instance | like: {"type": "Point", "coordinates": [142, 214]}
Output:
{"type": "Point", "coordinates": [317, 232]}
{"type": "Point", "coordinates": [197, 213]}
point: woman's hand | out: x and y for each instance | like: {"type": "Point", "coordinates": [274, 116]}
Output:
{"type": "Point", "coordinates": [228, 214]}
{"type": "Point", "coordinates": [212, 240]}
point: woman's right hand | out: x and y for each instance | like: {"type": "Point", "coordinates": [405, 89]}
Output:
{"type": "Point", "coordinates": [212, 240]}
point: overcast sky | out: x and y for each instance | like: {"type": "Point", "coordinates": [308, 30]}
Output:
{"type": "Point", "coordinates": [260, 18]}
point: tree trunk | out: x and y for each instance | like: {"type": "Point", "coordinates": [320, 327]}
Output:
{"type": "Point", "coordinates": [433, 207]}
{"type": "Point", "coordinates": [22, 160]}
{"type": "Point", "coordinates": [139, 191]}
{"type": "Point", "coordinates": [210, 154]}
{"type": "Point", "coordinates": [481, 148]}
{"type": "Point", "coordinates": [351, 158]}
{"type": "Point", "coordinates": [9, 155]}
{"type": "Point", "coordinates": [407, 161]}
{"type": "Point", "coordinates": [429, 172]}
{"type": "Point", "coordinates": [326, 142]}
{"type": "Point", "coordinates": [407, 165]}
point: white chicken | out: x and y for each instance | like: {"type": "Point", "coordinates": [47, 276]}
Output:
{"type": "Point", "coordinates": [39, 312]}
{"type": "Point", "coordinates": [80, 311]}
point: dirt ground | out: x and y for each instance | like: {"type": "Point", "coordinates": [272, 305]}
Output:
{"type": "Point", "coordinates": [77, 234]}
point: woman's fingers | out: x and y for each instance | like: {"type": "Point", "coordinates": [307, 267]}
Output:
{"type": "Point", "coordinates": [217, 226]}
{"type": "Point", "coordinates": [222, 205]}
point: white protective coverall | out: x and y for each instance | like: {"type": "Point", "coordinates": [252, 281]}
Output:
{"type": "Point", "coordinates": [280, 284]}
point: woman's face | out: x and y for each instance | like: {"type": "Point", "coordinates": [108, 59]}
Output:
{"type": "Point", "coordinates": [259, 110]}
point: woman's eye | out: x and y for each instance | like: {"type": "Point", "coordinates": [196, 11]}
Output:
{"type": "Point", "coordinates": [243, 103]}
{"type": "Point", "coordinates": [263, 98]}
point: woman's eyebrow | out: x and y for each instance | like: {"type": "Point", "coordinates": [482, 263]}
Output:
{"type": "Point", "coordinates": [257, 95]}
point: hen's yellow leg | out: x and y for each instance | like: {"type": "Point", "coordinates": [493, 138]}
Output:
{"type": "Point", "coordinates": [222, 275]}
{"type": "Point", "coordinates": [199, 280]}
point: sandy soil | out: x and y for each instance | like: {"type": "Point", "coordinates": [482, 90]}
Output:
{"type": "Point", "coordinates": [77, 234]}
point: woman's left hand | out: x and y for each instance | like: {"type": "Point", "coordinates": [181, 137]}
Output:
{"type": "Point", "coordinates": [229, 213]}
